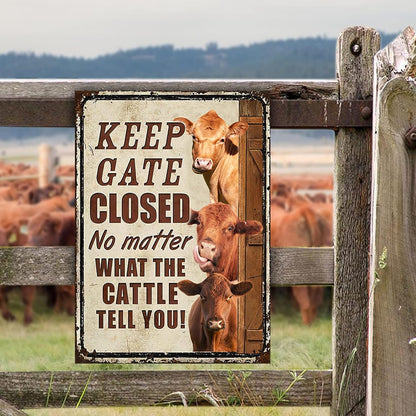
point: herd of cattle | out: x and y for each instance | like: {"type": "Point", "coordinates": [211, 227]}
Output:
{"type": "Point", "coordinates": [30, 216]}
{"type": "Point", "coordinates": [301, 215]}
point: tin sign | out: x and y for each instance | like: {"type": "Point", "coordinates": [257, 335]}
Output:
{"type": "Point", "coordinates": [172, 227]}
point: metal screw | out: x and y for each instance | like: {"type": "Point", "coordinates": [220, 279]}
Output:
{"type": "Point", "coordinates": [355, 48]}
{"type": "Point", "coordinates": [366, 113]}
{"type": "Point", "coordinates": [410, 138]}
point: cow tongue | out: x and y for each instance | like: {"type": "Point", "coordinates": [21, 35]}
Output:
{"type": "Point", "coordinates": [198, 258]}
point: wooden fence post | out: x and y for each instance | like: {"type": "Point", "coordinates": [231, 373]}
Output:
{"type": "Point", "coordinates": [46, 162]}
{"type": "Point", "coordinates": [392, 323]}
{"type": "Point", "coordinates": [355, 52]}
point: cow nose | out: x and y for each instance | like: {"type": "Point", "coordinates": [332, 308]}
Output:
{"type": "Point", "coordinates": [215, 324]}
{"type": "Point", "coordinates": [203, 164]}
{"type": "Point", "coordinates": [207, 249]}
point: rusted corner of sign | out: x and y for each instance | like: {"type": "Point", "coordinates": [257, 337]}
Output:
{"type": "Point", "coordinates": [81, 355]}
{"type": "Point", "coordinates": [121, 353]}
{"type": "Point", "coordinates": [79, 100]}
{"type": "Point", "coordinates": [264, 358]}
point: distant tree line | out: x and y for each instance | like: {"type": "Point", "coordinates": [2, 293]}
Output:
{"type": "Point", "coordinates": [305, 58]}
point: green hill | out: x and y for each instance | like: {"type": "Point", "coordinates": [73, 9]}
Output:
{"type": "Point", "coordinates": [305, 58]}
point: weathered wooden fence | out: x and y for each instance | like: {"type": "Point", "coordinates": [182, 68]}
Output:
{"type": "Point", "coordinates": [392, 332]}
{"type": "Point", "coordinates": [344, 105]}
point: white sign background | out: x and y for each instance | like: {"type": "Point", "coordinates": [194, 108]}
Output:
{"type": "Point", "coordinates": [90, 286]}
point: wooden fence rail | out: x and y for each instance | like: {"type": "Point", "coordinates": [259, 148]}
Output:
{"type": "Point", "coordinates": [56, 265]}
{"type": "Point", "coordinates": [144, 388]}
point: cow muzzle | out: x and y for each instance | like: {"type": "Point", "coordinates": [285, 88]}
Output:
{"type": "Point", "coordinates": [215, 324]}
{"type": "Point", "coordinates": [205, 254]}
{"type": "Point", "coordinates": [202, 165]}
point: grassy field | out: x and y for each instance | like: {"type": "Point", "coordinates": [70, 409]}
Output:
{"type": "Point", "coordinates": [48, 345]}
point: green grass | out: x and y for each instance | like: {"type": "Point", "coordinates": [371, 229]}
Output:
{"type": "Point", "coordinates": [48, 345]}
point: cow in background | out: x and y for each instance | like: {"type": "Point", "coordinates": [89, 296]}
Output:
{"type": "Point", "coordinates": [215, 155]}
{"type": "Point", "coordinates": [304, 224]}
{"type": "Point", "coordinates": [55, 229]}
{"type": "Point", "coordinates": [213, 316]}
{"type": "Point", "coordinates": [218, 228]}
{"type": "Point", "coordinates": [15, 213]}
{"type": "Point", "coordinates": [20, 201]}
{"type": "Point", "coordinates": [11, 237]}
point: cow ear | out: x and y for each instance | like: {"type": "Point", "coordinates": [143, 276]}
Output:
{"type": "Point", "coordinates": [188, 124]}
{"type": "Point", "coordinates": [194, 219]}
{"type": "Point", "coordinates": [189, 288]}
{"type": "Point", "coordinates": [230, 147]}
{"type": "Point", "coordinates": [237, 128]}
{"type": "Point", "coordinates": [231, 138]}
{"type": "Point", "coordinates": [241, 288]}
{"type": "Point", "coordinates": [248, 227]}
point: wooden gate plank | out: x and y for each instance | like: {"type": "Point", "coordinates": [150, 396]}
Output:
{"type": "Point", "coordinates": [302, 266]}
{"type": "Point", "coordinates": [355, 52]}
{"type": "Point", "coordinates": [56, 266]}
{"type": "Point", "coordinates": [26, 90]}
{"type": "Point", "coordinates": [147, 388]}
{"type": "Point", "coordinates": [252, 258]}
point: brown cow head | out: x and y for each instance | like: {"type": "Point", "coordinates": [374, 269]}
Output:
{"type": "Point", "coordinates": [217, 229]}
{"type": "Point", "coordinates": [216, 295]}
{"type": "Point", "coordinates": [212, 139]}
{"type": "Point", "coordinates": [43, 230]}
{"type": "Point", "coordinates": [34, 196]}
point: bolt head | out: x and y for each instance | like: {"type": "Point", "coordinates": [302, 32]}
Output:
{"type": "Point", "coordinates": [410, 138]}
{"type": "Point", "coordinates": [355, 48]}
{"type": "Point", "coordinates": [366, 113]}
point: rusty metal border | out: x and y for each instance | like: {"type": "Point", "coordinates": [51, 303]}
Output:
{"type": "Point", "coordinates": [82, 356]}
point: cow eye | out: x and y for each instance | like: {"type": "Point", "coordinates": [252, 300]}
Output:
{"type": "Point", "coordinates": [195, 139]}
{"type": "Point", "coordinates": [222, 140]}
{"type": "Point", "coordinates": [229, 298]}
{"type": "Point", "coordinates": [203, 298]}
{"type": "Point", "coordinates": [230, 228]}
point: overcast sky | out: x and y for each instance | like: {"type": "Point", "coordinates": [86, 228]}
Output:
{"type": "Point", "coordinates": [89, 28]}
